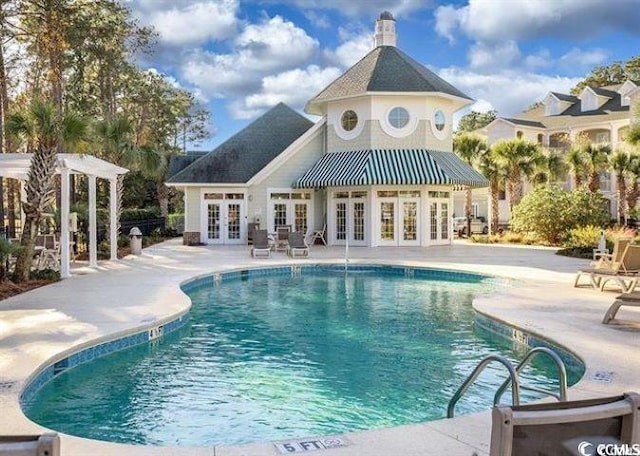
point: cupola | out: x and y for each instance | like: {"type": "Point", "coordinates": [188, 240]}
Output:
{"type": "Point", "coordinates": [385, 30]}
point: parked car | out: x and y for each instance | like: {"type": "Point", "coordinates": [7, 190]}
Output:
{"type": "Point", "coordinates": [478, 226]}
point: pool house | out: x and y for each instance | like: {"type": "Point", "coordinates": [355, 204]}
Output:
{"type": "Point", "coordinates": [376, 169]}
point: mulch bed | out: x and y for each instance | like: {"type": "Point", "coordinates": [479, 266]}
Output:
{"type": "Point", "coordinates": [8, 288]}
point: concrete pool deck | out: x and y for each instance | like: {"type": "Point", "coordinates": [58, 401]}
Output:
{"type": "Point", "coordinates": [99, 305]}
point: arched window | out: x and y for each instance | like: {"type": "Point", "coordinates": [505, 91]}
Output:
{"type": "Point", "coordinates": [540, 138]}
{"type": "Point", "coordinates": [518, 134]}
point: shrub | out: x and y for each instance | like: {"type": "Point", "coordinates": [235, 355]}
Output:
{"type": "Point", "coordinates": [484, 239]}
{"type": "Point", "coordinates": [586, 236]}
{"type": "Point", "coordinates": [139, 214]}
{"type": "Point", "coordinates": [48, 274]}
{"type": "Point", "coordinates": [551, 212]}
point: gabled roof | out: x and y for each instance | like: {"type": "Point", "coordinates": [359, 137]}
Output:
{"type": "Point", "coordinates": [565, 97]}
{"type": "Point", "coordinates": [523, 122]}
{"type": "Point", "coordinates": [604, 92]}
{"type": "Point", "coordinates": [385, 69]}
{"type": "Point", "coordinates": [180, 162]}
{"type": "Point", "coordinates": [243, 155]}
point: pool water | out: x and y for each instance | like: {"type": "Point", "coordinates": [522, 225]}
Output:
{"type": "Point", "coordinates": [275, 357]}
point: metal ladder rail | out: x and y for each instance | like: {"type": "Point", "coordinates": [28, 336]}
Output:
{"type": "Point", "coordinates": [513, 375]}
{"type": "Point", "coordinates": [562, 373]}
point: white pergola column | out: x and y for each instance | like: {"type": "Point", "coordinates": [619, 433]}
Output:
{"type": "Point", "coordinates": [64, 223]}
{"type": "Point", "coordinates": [113, 217]}
{"type": "Point", "coordinates": [93, 237]}
{"type": "Point", "coordinates": [489, 212]}
{"type": "Point", "coordinates": [23, 199]}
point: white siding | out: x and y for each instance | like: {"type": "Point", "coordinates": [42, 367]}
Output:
{"type": "Point", "coordinates": [501, 130]}
{"type": "Point", "coordinates": [192, 209]}
{"type": "Point", "coordinates": [284, 177]}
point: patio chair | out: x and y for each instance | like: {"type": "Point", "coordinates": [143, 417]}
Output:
{"type": "Point", "coordinates": [558, 428]}
{"type": "Point", "coordinates": [282, 237]}
{"type": "Point", "coordinates": [251, 227]}
{"type": "Point", "coordinates": [47, 251]}
{"type": "Point", "coordinates": [625, 299]}
{"type": "Point", "coordinates": [30, 445]}
{"type": "Point", "coordinates": [261, 247]}
{"type": "Point", "coordinates": [624, 272]}
{"type": "Point", "coordinates": [319, 234]}
{"type": "Point", "coordinates": [297, 246]}
{"type": "Point", "coordinates": [606, 260]}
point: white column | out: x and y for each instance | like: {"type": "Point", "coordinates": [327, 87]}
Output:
{"type": "Point", "coordinates": [93, 237]}
{"type": "Point", "coordinates": [613, 136]}
{"type": "Point", "coordinates": [113, 201]}
{"type": "Point", "coordinates": [64, 223]}
{"type": "Point", "coordinates": [23, 199]}
{"type": "Point", "coordinates": [489, 212]}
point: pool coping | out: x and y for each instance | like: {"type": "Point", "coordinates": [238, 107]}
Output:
{"type": "Point", "coordinates": [230, 450]}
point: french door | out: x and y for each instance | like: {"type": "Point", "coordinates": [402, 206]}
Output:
{"type": "Point", "coordinates": [224, 219]}
{"type": "Point", "coordinates": [399, 218]}
{"type": "Point", "coordinates": [439, 226]}
{"type": "Point", "coordinates": [350, 212]}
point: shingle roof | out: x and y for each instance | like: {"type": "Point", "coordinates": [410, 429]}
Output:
{"type": "Point", "coordinates": [565, 97]}
{"type": "Point", "coordinates": [385, 69]}
{"type": "Point", "coordinates": [241, 157]}
{"type": "Point", "coordinates": [604, 92]}
{"type": "Point", "coordinates": [523, 122]}
{"type": "Point", "coordinates": [180, 162]}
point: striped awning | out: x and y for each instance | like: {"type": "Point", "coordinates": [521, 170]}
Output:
{"type": "Point", "coordinates": [390, 167]}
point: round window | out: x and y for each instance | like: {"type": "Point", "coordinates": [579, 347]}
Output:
{"type": "Point", "coordinates": [349, 120]}
{"type": "Point", "coordinates": [398, 117]}
{"type": "Point", "coordinates": [439, 120]}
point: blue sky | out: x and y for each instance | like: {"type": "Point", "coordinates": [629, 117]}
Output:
{"type": "Point", "coordinates": [242, 57]}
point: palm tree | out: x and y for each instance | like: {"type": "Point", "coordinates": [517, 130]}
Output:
{"type": "Point", "coordinates": [577, 165]}
{"type": "Point", "coordinates": [116, 139]}
{"type": "Point", "coordinates": [634, 133]}
{"type": "Point", "coordinates": [551, 168]}
{"type": "Point", "coordinates": [620, 162]}
{"type": "Point", "coordinates": [40, 124]}
{"type": "Point", "coordinates": [633, 190]}
{"type": "Point", "coordinates": [469, 147]}
{"type": "Point", "coordinates": [490, 169]}
{"type": "Point", "coordinates": [519, 160]}
{"type": "Point", "coordinates": [597, 161]}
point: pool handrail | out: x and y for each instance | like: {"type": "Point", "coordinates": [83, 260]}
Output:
{"type": "Point", "coordinates": [513, 375]}
{"type": "Point", "coordinates": [562, 374]}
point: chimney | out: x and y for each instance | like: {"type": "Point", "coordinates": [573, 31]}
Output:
{"type": "Point", "coordinates": [385, 30]}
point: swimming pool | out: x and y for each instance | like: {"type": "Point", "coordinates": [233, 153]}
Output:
{"type": "Point", "coordinates": [273, 354]}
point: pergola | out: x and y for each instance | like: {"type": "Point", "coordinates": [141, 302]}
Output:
{"type": "Point", "coordinates": [16, 166]}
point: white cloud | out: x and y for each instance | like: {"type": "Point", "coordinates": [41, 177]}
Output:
{"type": "Point", "coordinates": [578, 57]}
{"type": "Point", "coordinates": [494, 21]}
{"type": "Point", "coordinates": [509, 91]}
{"type": "Point", "coordinates": [261, 49]}
{"type": "Point", "coordinates": [447, 20]}
{"type": "Point", "coordinates": [358, 7]}
{"type": "Point", "coordinates": [541, 59]}
{"type": "Point", "coordinates": [180, 23]}
{"type": "Point", "coordinates": [352, 49]}
{"type": "Point", "coordinates": [492, 57]}
{"type": "Point", "coordinates": [294, 87]}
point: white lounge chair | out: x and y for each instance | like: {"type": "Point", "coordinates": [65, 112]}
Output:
{"type": "Point", "coordinates": [319, 234]}
{"type": "Point", "coordinates": [624, 272]}
{"type": "Point", "coordinates": [625, 299]}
